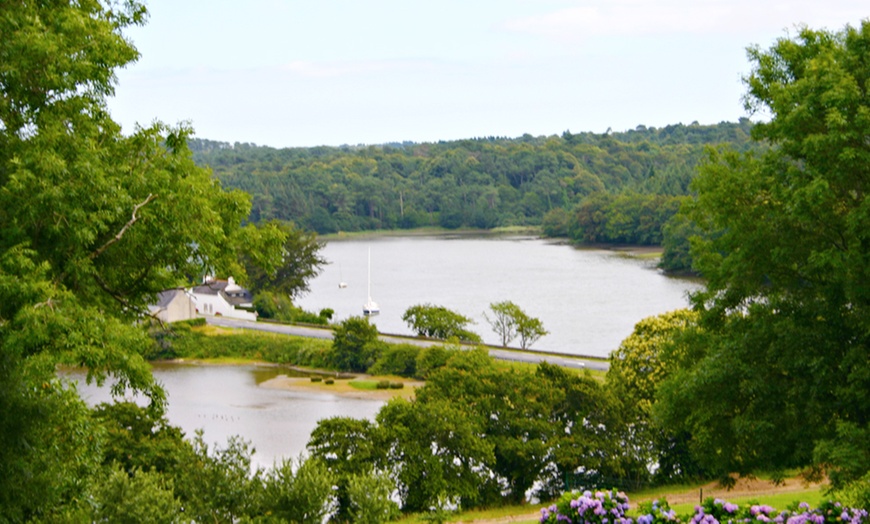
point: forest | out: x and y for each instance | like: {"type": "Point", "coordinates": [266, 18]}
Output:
{"type": "Point", "coordinates": [611, 188]}
{"type": "Point", "coordinates": [768, 371]}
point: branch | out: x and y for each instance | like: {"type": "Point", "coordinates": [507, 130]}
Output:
{"type": "Point", "coordinates": [119, 297]}
{"type": "Point", "coordinates": [123, 230]}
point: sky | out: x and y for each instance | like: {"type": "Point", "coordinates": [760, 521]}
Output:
{"type": "Point", "coordinates": [290, 73]}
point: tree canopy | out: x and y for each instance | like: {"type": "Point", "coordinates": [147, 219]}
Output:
{"type": "Point", "coordinates": [95, 223]}
{"type": "Point", "coordinates": [484, 182]}
{"type": "Point", "coordinates": [439, 322]}
{"type": "Point", "coordinates": [781, 372]}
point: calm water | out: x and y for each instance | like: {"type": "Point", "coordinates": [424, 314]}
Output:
{"type": "Point", "coordinates": [589, 300]}
{"type": "Point", "coordinates": [227, 400]}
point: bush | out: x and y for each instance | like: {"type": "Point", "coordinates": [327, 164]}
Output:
{"type": "Point", "coordinates": [279, 307]}
{"type": "Point", "coordinates": [329, 382]}
{"type": "Point", "coordinates": [183, 342]}
{"type": "Point", "coordinates": [610, 508]}
{"type": "Point", "coordinates": [397, 385]}
{"type": "Point", "coordinates": [601, 508]}
{"type": "Point", "coordinates": [316, 379]}
{"type": "Point", "coordinates": [355, 345]}
{"type": "Point", "coordinates": [383, 384]}
{"type": "Point", "coordinates": [397, 359]}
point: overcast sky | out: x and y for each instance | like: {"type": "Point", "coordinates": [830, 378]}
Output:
{"type": "Point", "coordinates": [289, 73]}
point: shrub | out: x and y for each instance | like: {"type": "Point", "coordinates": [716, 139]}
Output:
{"type": "Point", "coordinates": [329, 381]}
{"type": "Point", "coordinates": [180, 341]}
{"type": "Point", "coordinates": [397, 359]}
{"type": "Point", "coordinates": [316, 379]}
{"type": "Point", "coordinates": [610, 508]}
{"type": "Point", "coordinates": [604, 507]}
{"type": "Point", "coordinates": [656, 512]}
{"type": "Point", "coordinates": [355, 345]}
{"type": "Point", "coordinates": [383, 384]}
{"type": "Point", "coordinates": [397, 385]}
{"type": "Point", "coordinates": [430, 359]}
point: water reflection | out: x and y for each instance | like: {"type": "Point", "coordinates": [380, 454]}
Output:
{"type": "Point", "coordinates": [227, 400]}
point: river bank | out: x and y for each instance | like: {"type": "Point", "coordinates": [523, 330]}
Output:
{"type": "Point", "coordinates": [299, 379]}
{"type": "Point", "coordinates": [361, 387]}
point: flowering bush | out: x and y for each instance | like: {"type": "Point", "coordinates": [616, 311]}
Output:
{"type": "Point", "coordinates": [610, 507]}
{"type": "Point", "coordinates": [716, 511]}
{"type": "Point", "coordinates": [604, 507]}
{"type": "Point", "coordinates": [656, 512]}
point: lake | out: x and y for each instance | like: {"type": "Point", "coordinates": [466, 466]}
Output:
{"type": "Point", "coordinates": [588, 299]}
{"type": "Point", "coordinates": [228, 400]}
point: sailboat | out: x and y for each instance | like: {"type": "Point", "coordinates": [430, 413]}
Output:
{"type": "Point", "coordinates": [341, 283]}
{"type": "Point", "coordinates": [370, 307]}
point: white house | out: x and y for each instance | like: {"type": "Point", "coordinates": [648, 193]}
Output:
{"type": "Point", "coordinates": [173, 305]}
{"type": "Point", "coordinates": [223, 298]}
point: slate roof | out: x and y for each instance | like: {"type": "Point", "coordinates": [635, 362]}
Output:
{"type": "Point", "coordinates": [165, 297]}
{"type": "Point", "coordinates": [232, 293]}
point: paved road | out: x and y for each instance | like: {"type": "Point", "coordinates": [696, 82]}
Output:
{"type": "Point", "coordinates": [325, 333]}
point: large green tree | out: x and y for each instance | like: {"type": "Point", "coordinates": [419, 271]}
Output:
{"type": "Point", "coordinates": [783, 369]}
{"type": "Point", "coordinates": [95, 223]}
{"type": "Point", "coordinates": [298, 263]}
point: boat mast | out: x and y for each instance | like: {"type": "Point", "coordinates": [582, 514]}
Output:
{"type": "Point", "coordinates": [370, 277]}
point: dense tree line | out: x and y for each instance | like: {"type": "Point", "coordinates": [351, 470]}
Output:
{"type": "Point", "coordinates": [482, 183]}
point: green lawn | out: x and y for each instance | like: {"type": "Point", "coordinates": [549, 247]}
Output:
{"type": "Point", "coordinates": [780, 501]}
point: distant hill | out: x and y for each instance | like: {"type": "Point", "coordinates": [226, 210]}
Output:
{"type": "Point", "coordinates": [480, 182]}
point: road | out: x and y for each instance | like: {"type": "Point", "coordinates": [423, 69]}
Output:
{"type": "Point", "coordinates": [501, 354]}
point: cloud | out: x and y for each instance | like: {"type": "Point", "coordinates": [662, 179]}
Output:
{"type": "Point", "coordinates": [638, 18]}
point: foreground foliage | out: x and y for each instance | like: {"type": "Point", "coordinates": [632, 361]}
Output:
{"type": "Point", "coordinates": [778, 376]}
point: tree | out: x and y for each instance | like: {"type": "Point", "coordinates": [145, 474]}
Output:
{"type": "Point", "coordinates": [349, 448]}
{"type": "Point", "coordinates": [530, 330]}
{"type": "Point", "coordinates": [370, 500]}
{"type": "Point", "coordinates": [654, 351]}
{"type": "Point", "coordinates": [355, 344]}
{"type": "Point", "coordinates": [509, 321]}
{"type": "Point", "coordinates": [302, 496]}
{"type": "Point", "coordinates": [434, 451]}
{"type": "Point", "coordinates": [94, 224]}
{"type": "Point", "coordinates": [298, 263]}
{"type": "Point", "coordinates": [216, 485]}
{"type": "Point", "coordinates": [438, 322]}
{"type": "Point", "coordinates": [136, 497]}
{"type": "Point", "coordinates": [503, 321]}
{"type": "Point", "coordinates": [643, 360]}
{"type": "Point", "coordinates": [786, 309]}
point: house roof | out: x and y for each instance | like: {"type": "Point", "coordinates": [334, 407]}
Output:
{"type": "Point", "coordinates": [164, 298]}
{"type": "Point", "coordinates": [231, 292]}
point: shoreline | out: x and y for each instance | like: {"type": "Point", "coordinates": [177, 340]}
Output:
{"type": "Point", "coordinates": [342, 381]}
{"type": "Point", "coordinates": [342, 387]}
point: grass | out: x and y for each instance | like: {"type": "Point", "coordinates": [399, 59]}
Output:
{"type": "Point", "coordinates": [365, 385]}
{"type": "Point", "coordinates": [504, 512]}
{"type": "Point", "coordinates": [779, 501]}
{"type": "Point", "coordinates": [514, 514]}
